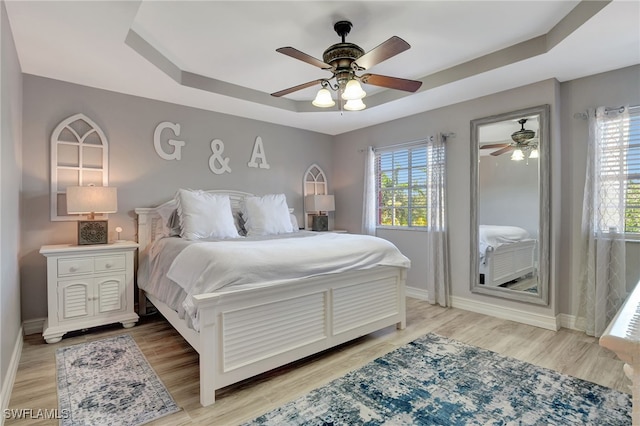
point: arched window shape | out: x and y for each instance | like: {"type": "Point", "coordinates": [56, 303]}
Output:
{"type": "Point", "coordinates": [315, 183]}
{"type": "Point", "coordinates": [79, 157]}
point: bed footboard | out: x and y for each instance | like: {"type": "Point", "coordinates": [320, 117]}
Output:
{"type": "Point", "coordinates": [245, 333]}
{"type": "Point", "coordinates": [508, 262]}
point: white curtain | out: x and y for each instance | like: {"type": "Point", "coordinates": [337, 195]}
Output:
{"type": "Point", "coordinates": [369, 196]}
{"type": "Point", "coordinates": [437, 253]}
{"type": "Point", "coordinates": [602, 288]}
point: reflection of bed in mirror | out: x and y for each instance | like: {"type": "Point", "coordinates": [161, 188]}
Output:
{"type": "Point", "coordinates": [507, 253]}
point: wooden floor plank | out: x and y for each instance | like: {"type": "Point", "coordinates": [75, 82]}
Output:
{"type": "Point", "coordinates": [176, 363]}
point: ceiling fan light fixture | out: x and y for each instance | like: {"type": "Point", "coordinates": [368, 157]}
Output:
{"type": "Point", "coordinates": [354, 105]}
{"type": "Point", "coordinates": [323, 99]}
{"type": "Point", "coordinates": [517, 155]}
{"type": "Point", "coordinates": [353, 91]}
{"type": "Point", "coordinates": [534, 153]}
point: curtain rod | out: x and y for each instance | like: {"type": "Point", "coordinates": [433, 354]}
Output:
{"type": "Point", "coordinates": [430, 138]}
{"type": "Point", "coordinates": [584, 116]}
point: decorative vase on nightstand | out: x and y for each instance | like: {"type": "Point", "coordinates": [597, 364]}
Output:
{"type": "Point", "coordinates": [320, 223]}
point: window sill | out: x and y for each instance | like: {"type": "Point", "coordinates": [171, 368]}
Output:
{"type": "Point", "coordinates": [402, 228]}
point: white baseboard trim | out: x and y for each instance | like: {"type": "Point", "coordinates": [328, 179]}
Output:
{"type": "Point", "coordinates": [33, 326]}
{"type": "Point", "coordinates": [416, 293]}
{"type": "Point", "coordinates": [517, 315]}
{"type": "Point", "coordinates": [7, 384]}
{"type": "Point", "coordinates": [568, 321]}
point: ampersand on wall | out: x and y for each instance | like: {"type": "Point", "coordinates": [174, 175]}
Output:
{"type": "Point", "coordinates": [177, 145]}
{"type": "Point", "coordinates": [258, 153]}
{"type": "Point", "coordinates": [217, 163]}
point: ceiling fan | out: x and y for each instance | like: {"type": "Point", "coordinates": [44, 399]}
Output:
{"type": "Point", "coordinates": [522, 138]}
{"type": "Point", "coordinates": [343, 60]}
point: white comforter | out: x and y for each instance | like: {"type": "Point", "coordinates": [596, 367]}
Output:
{"type": "Point", "coordinates": [205, 267]}
{"type": "Point", "coordinates": [493, 236]}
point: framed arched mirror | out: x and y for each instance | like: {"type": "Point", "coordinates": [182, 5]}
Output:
{"type": "Point", "coordinates": [510, 215]}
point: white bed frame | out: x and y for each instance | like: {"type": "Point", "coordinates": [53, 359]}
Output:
{"type": "Point", "coordinates": [508, 262]}
{"type": "Point", "coordinates": [247, 332]}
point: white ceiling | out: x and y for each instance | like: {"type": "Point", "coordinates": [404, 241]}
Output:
{"type": "Point", "coordinates": [220, 55]}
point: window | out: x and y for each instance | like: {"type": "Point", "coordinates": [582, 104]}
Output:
{"type": "Point", "coordinates": [79, 156]}
{"type": "Point", "coordinates": [401, 185]}
{"type": "Point", "coordinates": [619, 171]}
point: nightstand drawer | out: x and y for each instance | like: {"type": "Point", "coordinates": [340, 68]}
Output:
{"type": "Point", "coordinates": [110, 263]}
{"type": "Point", "coordinates": [74, 266]}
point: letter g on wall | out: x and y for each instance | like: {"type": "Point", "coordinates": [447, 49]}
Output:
{"type": "Point", "coordinates": [177, 145]}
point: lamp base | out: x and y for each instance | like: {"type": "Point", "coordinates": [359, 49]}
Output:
{"type": "Point", "coordinates": [92, 232]}
{"type": "Point", "coordinates": [320, 223]}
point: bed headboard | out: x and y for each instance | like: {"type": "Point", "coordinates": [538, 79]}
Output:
{"type": "Point", "coordinates": [148, 216]}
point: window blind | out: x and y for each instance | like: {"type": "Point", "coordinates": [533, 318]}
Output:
{"type": "Point", "coordinates": [619, 170]}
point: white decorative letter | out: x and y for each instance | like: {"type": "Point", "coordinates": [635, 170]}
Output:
{"type": "Point", "coordinates": [258, 153]}
{"type": "Point", "coordinates": [177, 145]}
{"type": "Point", "coordinates": [217, 146]}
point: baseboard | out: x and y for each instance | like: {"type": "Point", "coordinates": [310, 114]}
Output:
{"type": "Point", "coordinates": [517, 315]}
{"type": "Point", "coordinates": [417, 293]}
{"type": "Point", "coordinates": [568, 321]}
{"type": "Point", "coordinates": [33, 326]}
{"type": "Point", "coordinates": [7, 384]}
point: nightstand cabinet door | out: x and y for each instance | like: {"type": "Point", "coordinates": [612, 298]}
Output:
{"type": "Point", "coordinates": [109, 294]}
{"type": "Point", "coordinates": [88, 286]}
{"type": "Point", "coordinates": [74, 299]}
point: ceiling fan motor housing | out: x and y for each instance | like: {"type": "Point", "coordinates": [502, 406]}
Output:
{"type": "Point", "coordinates": [341, 55]}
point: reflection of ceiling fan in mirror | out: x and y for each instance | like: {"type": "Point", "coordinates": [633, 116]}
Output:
{"type": "Point", "coordinates": [343, 60]}
{"type": "Point", "coordinates": [522, 139]}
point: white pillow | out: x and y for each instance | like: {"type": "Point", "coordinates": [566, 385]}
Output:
{"type": "Point", "coordinates": [266, 215]}
{"type": "Point", "coordinates": [205, 215]}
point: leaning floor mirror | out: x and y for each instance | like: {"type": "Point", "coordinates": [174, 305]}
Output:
{"type": "Point", "coordinates": [510, 205]}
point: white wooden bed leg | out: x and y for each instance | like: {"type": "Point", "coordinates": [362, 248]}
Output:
{"type": "Point", "coordinates": [208, 341]}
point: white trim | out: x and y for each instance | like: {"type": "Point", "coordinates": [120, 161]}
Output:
{"type": "Point", "coordinates": [416, 293]}
{"type": "Point", "coordinates": [33, 326]}
{"type": "Point", "coordinates": [9, 380]}
{"type": "Point", "coordinates": [568, 321]}
{"type": "Point", "coordinates": [517, 315]}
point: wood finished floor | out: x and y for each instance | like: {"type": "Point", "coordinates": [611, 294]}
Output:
{"type": "Point", "coordinates": [176, 363]}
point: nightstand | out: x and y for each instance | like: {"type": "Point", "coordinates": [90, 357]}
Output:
{"type": "Point", "coordinates": [87, 286]}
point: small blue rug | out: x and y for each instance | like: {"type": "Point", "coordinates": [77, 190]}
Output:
{"type": "Point", "coordinates": [109, 382]}
{"type": "Point", "coordinates": [438, 381]}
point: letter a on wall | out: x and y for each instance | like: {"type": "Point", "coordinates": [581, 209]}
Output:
{"type": "Point", "coordinates": [258, 153]}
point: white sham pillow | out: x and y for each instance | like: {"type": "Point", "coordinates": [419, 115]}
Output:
{"type": "Point", "coordinates": [205, 215]}
{"type": "Point", "coordinates": [266, 215]}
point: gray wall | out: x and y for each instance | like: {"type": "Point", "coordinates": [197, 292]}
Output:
{"type": "Point", "coordinates": [142, 177]}
{"type": "Point", "coordinates": [10, 185]}
{"type": "Point", "coordinates": [348, 178]}
{"type": "Point", "coordinates": [613, 88]}
{"type": "Point", "coordinates": [508, 192]}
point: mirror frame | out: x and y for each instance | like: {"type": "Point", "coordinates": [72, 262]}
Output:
{"type": "Point", "coordinates": [544, 227]}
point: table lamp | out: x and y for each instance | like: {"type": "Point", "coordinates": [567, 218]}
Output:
{"type": "Point", "coordinates": [90, 200]}
{"type": "Point", "coordinates": [321, 204]}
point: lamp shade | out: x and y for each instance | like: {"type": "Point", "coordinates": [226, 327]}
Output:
{"type": "Point", "coordinates": [353, 91]}
{"type": "Point", "coordinates": [354, 105]}
{"type": "Point", "coordinates": [319, 203]}
{"type": "Point", "coordinates": [91, 199]}
{"type": "Point", "coordinates": [323, 99]}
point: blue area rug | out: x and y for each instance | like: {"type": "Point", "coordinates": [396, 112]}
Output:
{"type": "Point", "coordinates": [109, 382]}
{"type": "Point", "coordinates": [439, 381]}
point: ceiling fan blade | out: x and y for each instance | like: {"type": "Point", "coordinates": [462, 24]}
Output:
{"type": "Point", "coordinates": [494, 145]}
{"type": "Point", "coordinates": [382, 52]}
{"type": "Point", "coordinates": [296, 54]}
{"type": "Point", "coordinates": [503, 150]}
{"type": "Point", "coordinates": [296, 88]}
{"type": "Point", "coordinates": [391, 82]}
